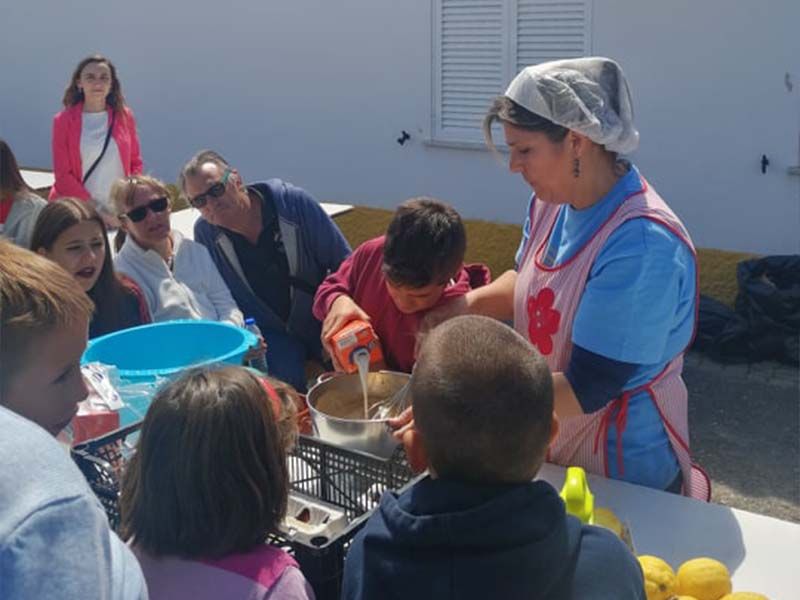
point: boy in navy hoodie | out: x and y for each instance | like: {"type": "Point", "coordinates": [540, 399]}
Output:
{"type": "Point", "coordinates": [479, 526]}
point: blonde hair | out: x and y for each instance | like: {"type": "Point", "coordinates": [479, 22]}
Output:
{"type": "Point", "coordinates": [121, 195]}
{"type": "Point", "coordinates": [36, 296]}
{"type": "Point", "coordinates": [122, 190]}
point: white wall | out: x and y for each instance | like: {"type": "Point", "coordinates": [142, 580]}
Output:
{"type": "Point", "coordinates": [316, 92]}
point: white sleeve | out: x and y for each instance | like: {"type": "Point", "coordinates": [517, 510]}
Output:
{"type": "Point", "coordinates": [218, 292]}
{"type": "Point", "coordinates": [124, 265]}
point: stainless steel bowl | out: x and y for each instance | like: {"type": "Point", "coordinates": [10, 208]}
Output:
{"type": "Point", "coordinates": [340, 390]}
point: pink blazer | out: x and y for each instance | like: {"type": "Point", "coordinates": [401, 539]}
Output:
{"type": "Point", "coordinates": [67, 150]}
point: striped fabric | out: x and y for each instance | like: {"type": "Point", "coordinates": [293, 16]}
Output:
{"type": "Point", "coordinates": [545, 302]}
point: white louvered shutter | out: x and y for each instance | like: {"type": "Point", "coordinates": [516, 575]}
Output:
{"type": "Point", "coordinates": [478, 47]}
{"type": "Point", "coordinates": [470, 66]}
{"type": "Point", "coordinates": [551, 29]}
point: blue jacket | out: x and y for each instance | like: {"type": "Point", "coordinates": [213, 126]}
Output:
{"type": "Point", "coordinates": [449, 540]}
{"type": "Point", "coordinates": [314, 247]}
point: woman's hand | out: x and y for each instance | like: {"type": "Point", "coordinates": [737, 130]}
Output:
{"type": "Point", "coordinates": [405, 432]}
{"type": "Point", "coordinates": [453, 308]}
{"type": "Point", "coordinates": [402, 423]}
{"type": "Point", "coordinates": [343, 310]}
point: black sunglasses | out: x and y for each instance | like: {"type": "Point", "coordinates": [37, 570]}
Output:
{"type": "Point", "coordinates": [216, 190]}
{"type": "Point", "coordinates": [138, 214]}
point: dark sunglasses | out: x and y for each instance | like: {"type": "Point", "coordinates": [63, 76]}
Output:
{"type": "Point", "coordinates": [138, 214]}
{"type": "Point", "coordinates": [215, 191]}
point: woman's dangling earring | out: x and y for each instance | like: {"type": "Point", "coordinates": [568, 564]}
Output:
{"type": "Point", "coordinates": [576, 167]}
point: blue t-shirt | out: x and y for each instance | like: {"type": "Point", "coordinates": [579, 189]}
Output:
{"type": "Point", "coordinates": [638, 306]}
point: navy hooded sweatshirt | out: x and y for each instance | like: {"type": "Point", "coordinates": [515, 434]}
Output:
{"type": "Point", "coordinates": [449, 540]}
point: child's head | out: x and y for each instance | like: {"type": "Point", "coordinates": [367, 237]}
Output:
{"type": "Point", "coordinates": [72, 233]}
{"type": "Point", "coordinates": [44, 320]}
{"type": "Point", "coordinates": [424, 248]}
{"type": "Point", "coordinates": [483, 402]}
{"type": "Point", "coordinates": [209, 477]}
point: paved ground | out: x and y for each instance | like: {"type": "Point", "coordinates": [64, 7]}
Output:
{"type": "Point", "coordinates": [745, 431]}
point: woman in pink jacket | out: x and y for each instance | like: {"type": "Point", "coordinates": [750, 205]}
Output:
{"type": "Point", "coordinates": [94, 137]}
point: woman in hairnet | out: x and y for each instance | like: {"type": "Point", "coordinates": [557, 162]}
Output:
{"type": "Point", "coordinates": [605, 285]}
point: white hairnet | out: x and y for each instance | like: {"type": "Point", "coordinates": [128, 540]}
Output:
{"type": "Point", "coordinates": [588, 95]}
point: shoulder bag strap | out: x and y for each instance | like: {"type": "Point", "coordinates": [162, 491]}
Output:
{"type": "Point", "coordinates": [105, 145]}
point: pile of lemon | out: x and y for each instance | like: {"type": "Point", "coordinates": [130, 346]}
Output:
{"type": "Point", "coordinates": [696, 579]}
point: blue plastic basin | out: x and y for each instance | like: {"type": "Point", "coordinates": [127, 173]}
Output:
{"type": "Point", "coordinates": [164, 349]}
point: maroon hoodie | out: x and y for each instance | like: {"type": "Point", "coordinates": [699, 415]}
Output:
{"type": "Point", "coordinates": [360, 276]}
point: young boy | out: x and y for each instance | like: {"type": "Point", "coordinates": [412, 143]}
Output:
{"type": "Point", "coordinates": [54, 536]}
{"type": "Point", "coordinates": [43, 330]}
{"type": "Point", "coordinates": [479, 527]}
{"type": "Point", "coordinates": [392, 281]}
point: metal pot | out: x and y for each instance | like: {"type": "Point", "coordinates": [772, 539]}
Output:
{"type": "Point", "coordinates": [341, 393]}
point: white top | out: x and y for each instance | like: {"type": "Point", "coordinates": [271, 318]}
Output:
{"type": "Point", "coordinates": [192, 289]}
{"type": "Point", "coordinates": [109, 169]}
{"type": "Point", "coordinates": [760, 552]}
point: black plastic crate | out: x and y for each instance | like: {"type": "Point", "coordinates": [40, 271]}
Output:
{"type": "Point", "coordinates": [347, 479]}
{"type": "Point", "coordinates": [102, 460]}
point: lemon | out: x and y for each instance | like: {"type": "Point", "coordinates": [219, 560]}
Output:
{"type": "Point", "coordinates": [604, 517]}
{"type": "Point", "coordinates": [744, 596]}
{"type": "Point", "coordinates": [684, 598]}
{"type": "Point", "coordinates": [659, 578]}
{"type": "Point", "coordinates": [704, 578]}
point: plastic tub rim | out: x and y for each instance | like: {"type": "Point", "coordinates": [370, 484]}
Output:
{"type": "Point", "coordinates": [248, 341]}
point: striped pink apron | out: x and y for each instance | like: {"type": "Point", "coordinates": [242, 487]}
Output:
{"type": "Point", "coordinates": [545, 301]}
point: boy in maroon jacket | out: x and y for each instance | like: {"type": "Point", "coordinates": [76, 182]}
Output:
{"type": "Point", "coordinates": [393, 281]}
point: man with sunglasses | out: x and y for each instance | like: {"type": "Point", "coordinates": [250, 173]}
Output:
{"type": "Point", "coordinates": [273, 244]}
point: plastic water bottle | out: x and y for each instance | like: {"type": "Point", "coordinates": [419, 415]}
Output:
{"type": "Point", "coordinates": [260, 362]}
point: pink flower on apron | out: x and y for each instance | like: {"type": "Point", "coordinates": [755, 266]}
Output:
{"type": "Point", "coordinates": [543, 320]}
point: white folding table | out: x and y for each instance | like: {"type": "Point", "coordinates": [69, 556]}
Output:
{"type": "Point", "coordinates": [760, 552]}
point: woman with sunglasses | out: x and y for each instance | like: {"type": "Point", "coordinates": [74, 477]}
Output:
{"type": "Point", "coordinates": [94, 137]}
{"type": "Point", "coordinates": [177, 276]}
{"type": "Point", "coordinates": [72, 234]}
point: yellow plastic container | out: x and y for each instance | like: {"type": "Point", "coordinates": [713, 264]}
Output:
{"type": "Point", "coordinates": [577, 496]}
{"type": "Point", "coordinates": [579, 502]}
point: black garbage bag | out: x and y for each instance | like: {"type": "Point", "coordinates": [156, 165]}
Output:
{"type": "Point", "coordinates": [721, 333]}
{"type": "Point", "coordinates": [769, 302]}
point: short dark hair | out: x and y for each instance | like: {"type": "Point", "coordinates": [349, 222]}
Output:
{"type": "Point", "coordinates": [505, 110]}
{"type": "Point", "coordinates": [193, 165]}
{"type": "Point", "coordinates": [425, 243]}
{"type": "Point", "coordinates": [209, 477]}
{"type": "Point", "coordinates": [483, 402]}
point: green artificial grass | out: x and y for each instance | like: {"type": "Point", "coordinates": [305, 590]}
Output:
{"type": "Point", "coordinates": [178, 203]}
{"type": "Point", "coordinates": [494, 244]}
{"type": "Point", "coordinates": [718, 273]}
